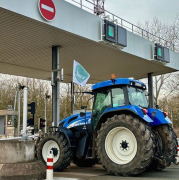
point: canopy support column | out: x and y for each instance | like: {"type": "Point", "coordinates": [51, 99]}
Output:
{"type": "Point", "coordinates": [55, 85]}
{"type": "Point", "coordinates": [150, 88]}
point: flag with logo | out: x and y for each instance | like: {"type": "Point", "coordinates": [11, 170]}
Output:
{"type": "Point", "coordinates": [80, 75]}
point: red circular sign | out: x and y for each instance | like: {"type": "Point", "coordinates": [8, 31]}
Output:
{"type": "Point", "coordinates": [47, 9]}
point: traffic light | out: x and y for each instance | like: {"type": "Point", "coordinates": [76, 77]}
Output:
{"type": "Point", "coordinates": [32, 108]}
{"type": "Point", "coordinates": [30, 122]}
{"type": "Point", "coordinates": [41, 123]}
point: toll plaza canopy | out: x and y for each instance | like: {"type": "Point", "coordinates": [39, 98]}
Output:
{"type": "Point", "coordinates": [26, 40]}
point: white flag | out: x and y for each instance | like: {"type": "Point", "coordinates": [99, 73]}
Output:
{"type": "Point", "coordinates": [80, 75]}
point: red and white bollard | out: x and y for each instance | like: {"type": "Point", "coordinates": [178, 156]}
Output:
{"type": "Point", "coordinates": [49, 172]}
{"type": "Point", "coordinates": [177, 157]}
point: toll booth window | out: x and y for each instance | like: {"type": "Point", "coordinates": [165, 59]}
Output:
{"type": "Point", "coordinates": [137, 97]}
{"type": "Point", "coordinates": [118, 97]}
{"type": "Point", "coordinates": [111, 31]}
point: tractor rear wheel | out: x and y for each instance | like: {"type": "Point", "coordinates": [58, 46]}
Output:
{"type": "Point", "coordinates": [168, 141]}
{"type": "Point", "coordinates": [61, 151]}
{"type": "Point", "coordinates": [83, 162]}
{"type": "Point", "coordinates": [124, 145]}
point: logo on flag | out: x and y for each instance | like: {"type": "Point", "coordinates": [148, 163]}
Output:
{"type": "Point", "coordinates": [80, 75]}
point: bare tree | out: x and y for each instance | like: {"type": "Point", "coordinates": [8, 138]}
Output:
{"type": "Point", "coordinates": [164, 85]}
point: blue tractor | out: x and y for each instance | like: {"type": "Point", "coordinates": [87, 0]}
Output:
{"type": "Point", "coordinates": [122, 132]}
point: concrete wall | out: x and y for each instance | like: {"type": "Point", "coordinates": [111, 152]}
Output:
{"type": "Point", "coordinates": [16, 151]}
{"type": "Point", "coordinates": [139, 46]}
{"type": "Point", "coordinates": [68, 17]}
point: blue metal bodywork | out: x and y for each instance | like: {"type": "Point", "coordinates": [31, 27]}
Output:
{"type": "Point", "coordinates": [158, 117]}
{"type": "Point", "coordinates": [135, 109]}
{"type": "Point", "coordinates": [120, 81]}
{"type": "Point", "coordinates": [79, 121]}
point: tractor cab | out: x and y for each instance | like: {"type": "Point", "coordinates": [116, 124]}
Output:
{"type": "Point", "coordinates": [115, 94]}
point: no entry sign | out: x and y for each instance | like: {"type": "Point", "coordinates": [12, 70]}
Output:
{"type": "Point", "coordinates": [47, 9]}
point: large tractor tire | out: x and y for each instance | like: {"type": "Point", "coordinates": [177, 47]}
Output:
{"type": "Point", "coordinates": [168, 142]}
{"type": "Point", "coordinates": [124, 145]}
{"type": "Point", "coordinates": [84, 162]}
{"type": "Point", "coordinates": [61, 150]}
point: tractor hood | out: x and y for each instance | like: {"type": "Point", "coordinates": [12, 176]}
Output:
{"type": "Point", "coordinates": [158, 117]}
{"type": "Point", "coordinates": [75, 120]}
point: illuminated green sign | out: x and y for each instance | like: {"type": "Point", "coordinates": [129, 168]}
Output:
{"type": "Point", "coordinates": [159, 52]}
{"type": "Point", "coordinates": [111, 31]}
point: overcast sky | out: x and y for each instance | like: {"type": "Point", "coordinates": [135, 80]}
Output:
{"type": "Point", "coordinates": [144, 10]}
{"type": "Point", "coordinates": [136, 11]}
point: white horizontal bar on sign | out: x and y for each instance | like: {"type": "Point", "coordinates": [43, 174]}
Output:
{"type": "Point", "coordinates": [47, 8]}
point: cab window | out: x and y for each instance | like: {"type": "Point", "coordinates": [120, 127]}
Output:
{"type": "Point", "coordinates": [118, 97]}
{"type": "Point", "coordinates": [103, 100]}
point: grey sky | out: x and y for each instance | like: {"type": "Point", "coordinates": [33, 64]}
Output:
{"type": "Point", "coordinates": [144, 10]}
{"type": "Point", "coordinates": [140, 10]}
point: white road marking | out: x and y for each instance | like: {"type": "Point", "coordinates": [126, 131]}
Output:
{"type": "Point", "coordinates": [43, 6]}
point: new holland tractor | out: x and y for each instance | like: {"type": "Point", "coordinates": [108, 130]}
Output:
{"type": "Point", "coordinates": [122, 132]}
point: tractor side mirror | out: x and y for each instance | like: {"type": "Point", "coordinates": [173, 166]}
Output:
{"type": "Point", "coordinates": [82, 114]}
{"type": "Point", "coordinates": [83, 107]}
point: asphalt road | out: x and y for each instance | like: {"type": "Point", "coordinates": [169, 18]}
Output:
{"type": "Point", "coordinates": [98, 173]}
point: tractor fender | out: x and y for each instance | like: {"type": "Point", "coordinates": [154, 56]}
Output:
{"type": "Point", "coordinates": [69, 135]}
{"type": "Point", "coordinates": [158, 117]}
{"type": "Point", "coordinates": [130, 108]}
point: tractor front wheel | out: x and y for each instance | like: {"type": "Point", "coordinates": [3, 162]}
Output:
{"type": "Point", "coordinates": [58, 143]}
{"type": "Point", "coordinates": [124, 145]}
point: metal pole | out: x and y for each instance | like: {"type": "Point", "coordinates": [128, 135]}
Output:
{"type": "Point", "coordinates": [72, 98]}
{"type": "Point", "coordinates": [19, 112]}
{"type": "Point", "coordinates": [81, 4]}
{"type": "Point", "coordinates": [6, 125]}
{"type": "Point", "coordinates": [45, 114]}
{"type": "Point", "coordinates": [150, 88]}
{"type": "Point", "coordinates": [25, 112]}
{"type": "Point", "coordinates": [15, 103]}
{"type": "Point", "coordinates": [56, 85]}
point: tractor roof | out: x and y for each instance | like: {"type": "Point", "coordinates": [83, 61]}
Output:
{"type": "Point", "coordinates": [119, 81]}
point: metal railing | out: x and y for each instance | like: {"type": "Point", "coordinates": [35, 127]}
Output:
{"type": "Point", "coordinates": [126, 24]}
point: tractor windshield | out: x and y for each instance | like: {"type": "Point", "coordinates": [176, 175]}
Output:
{"type": "Point", "coordinates": [137, 97]}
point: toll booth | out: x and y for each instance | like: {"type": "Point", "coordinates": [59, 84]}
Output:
{"type": "Point", "coordinates": [7, 119]}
